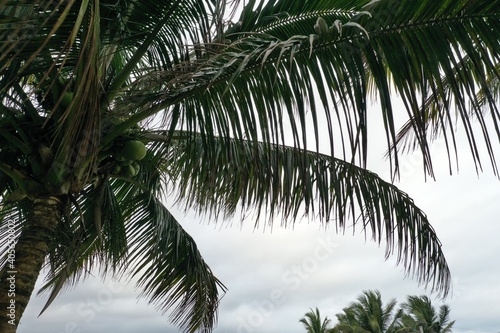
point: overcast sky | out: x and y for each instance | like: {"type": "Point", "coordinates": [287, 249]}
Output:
{"type": "Point", "coordinates": [273, 278]}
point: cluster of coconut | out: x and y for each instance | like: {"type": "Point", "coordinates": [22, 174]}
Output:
{"type": "Point", "coordinates": [127, 158]}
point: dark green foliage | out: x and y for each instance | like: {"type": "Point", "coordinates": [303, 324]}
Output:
{"type": "Point", "coordinates": [369, 315]}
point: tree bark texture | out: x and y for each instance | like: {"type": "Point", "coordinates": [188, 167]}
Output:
{"type": "Point", "coordinates": [19, 275]}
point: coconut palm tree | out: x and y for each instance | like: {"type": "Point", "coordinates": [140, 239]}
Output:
{"type": "Point", "coordinates": [347, 323]}
{"type": "Point", "coordinates": [313, 323]}
{"type": "Point", "coordinates": [109, 109]}
{"type": "Point", "coordinates": [421, 316]}
{"type": "Point", "coordinates": [369, 315]}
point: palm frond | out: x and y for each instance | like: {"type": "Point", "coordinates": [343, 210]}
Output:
{"type": "Point", "coordinates": [484, 104]}
{"type": "Point", "coordinates": [421, 313]}
{"type": "Point", "coordinates": [91, 237]}
{"type": "Point", "coordinates": [292, 183]}
{"type": "Point", "coordinates": [121, 227]}
{"type": "Point", "coordinates": [90, 50]}
{"type": "Point", "coordinates": [375, 54]}
{"type": "Point", "coordinates": [169, 267]}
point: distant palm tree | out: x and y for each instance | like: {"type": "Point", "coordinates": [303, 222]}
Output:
{"type": "Point", "coordinates": [421, 316]}
{"type": "Point", "coordinates": [313, 323]}
{"type": "Point", "coordinates": [347, 323]}
{"type": "Point", "coordinates": [368, 315]}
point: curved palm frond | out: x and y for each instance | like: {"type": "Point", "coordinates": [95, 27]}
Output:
{"type": "Point", "coordinates": [445, 325]}
{"type": "Point", "coordinates": [288, 182]}
{"type": "Point", "coordinates": [122, 227]}
{"type": "Point", "coordinates": [371, 54]}
{"type": "Point", "coordinates": [171, 271]}
{"type": "Point", "coordinates": [128, 28]}
{"type": "Point", "coordinates": [289, 18]}
{"type": "Point", "coordinates": [484, 104]}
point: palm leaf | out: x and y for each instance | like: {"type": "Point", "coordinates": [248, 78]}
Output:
{"type": "Point", "coordinates": [301, 71]}
{"type": "Point", "coordinates": [484, 103]}
{"type": "Point", "coordinates": [136, 237]}
{"type": "Point", "coordinates": [289, 182]}
{"type": "Point", "coordinates": [81, 46]}
{"type": "Point", "coordinates": [169, 267]}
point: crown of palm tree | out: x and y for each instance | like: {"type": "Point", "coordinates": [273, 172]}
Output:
{"type": "Point", "coordinates": [420, 314]}
{"type": "Point", "coordinates": [369, 314]}
{"type": "Point", "coordinates": [313, 323]}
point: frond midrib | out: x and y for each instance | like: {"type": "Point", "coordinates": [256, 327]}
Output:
{"type": "Point", "coordinates": [439, 21]}
{"type": "Point", "coordinates": [324, 45]}
{"type": "Point", "coordinates": [304, 17]}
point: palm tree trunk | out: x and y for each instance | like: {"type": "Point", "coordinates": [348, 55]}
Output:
{"type": "Point", "coordinates": [17, 278]}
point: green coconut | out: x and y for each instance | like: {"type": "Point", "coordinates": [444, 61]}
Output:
{"type": "Point", "coordinates": [116, 169]}
{"type": "Point", "coordinates": [134, 150]}
{"type": "Point", "coordinates": [125, 162]}
{"type": "Point", "coordinates": [129, 171]}
{"type": "Point", "coordinates": [67, 99]}
{"type": "Point", "coordinates": [136, 167]}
